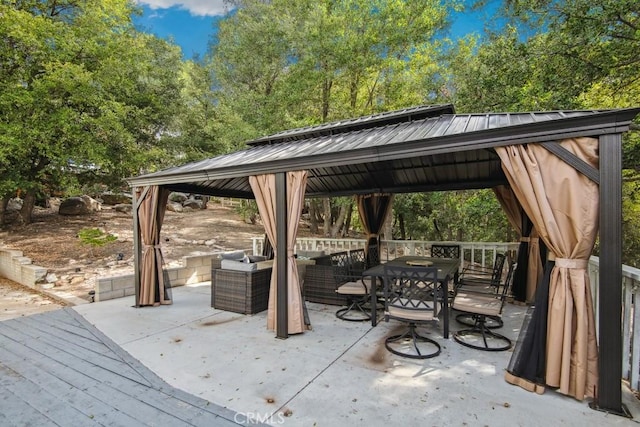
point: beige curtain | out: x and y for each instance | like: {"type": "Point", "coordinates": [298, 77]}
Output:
{"type": "Point", "coordinates": [154, 286]}
{"type": "Point", "coordinates": [563, 205]}
{"type": "Point", "coordinates": [529, 243]}
{"type": "Point", "coordinates": [264, 189]}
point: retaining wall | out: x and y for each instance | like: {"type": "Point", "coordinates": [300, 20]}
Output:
{"type": "Point", "coordinates": [194, 269]}
{"type": "Point", "coordinates": [14, 266]}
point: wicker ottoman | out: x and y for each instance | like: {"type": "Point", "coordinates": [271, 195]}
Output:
{"type": "Point", "coordinates": [245, 292]}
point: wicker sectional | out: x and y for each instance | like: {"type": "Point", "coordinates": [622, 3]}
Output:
{"type": "Point", "coordinates": [320, 286]}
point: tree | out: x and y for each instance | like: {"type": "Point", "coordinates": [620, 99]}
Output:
{"type": "Point", "coordinates": [291, 63]}
{"type": "Point", "coordinates": [83, 96]}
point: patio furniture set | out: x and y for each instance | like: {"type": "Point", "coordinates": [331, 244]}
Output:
{"type": "Point", "coordinates": [416, 290]}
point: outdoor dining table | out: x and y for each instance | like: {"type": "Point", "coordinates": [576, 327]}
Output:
{"type": "Point", "coordinates": [447, 270]}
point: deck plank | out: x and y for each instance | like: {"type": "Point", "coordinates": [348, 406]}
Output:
{"type": "Point", "coordinates": [63, 334]}
{"type": "Point", "coordinates": [101, 369]}
{"type": "Point", "coordinates": [68, 348]}
{"type": "Point", "coordinates": [50, 374]}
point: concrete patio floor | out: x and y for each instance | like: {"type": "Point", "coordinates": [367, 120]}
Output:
{"type": "Point", "coordinates": [337, 374]}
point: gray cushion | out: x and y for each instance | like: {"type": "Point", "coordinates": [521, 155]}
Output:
{"type": "Point", "coordinates": [229, 264]}
{"type": "Point", "coordinates": [309, 254]}
{"type": "Point", "coordinates": [232, 255]}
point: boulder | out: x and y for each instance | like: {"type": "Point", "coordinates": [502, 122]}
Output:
{"type": "Point", "coordinates": [174, 207]}
{"type": "Point", "coordinates": [126, 208]}
{"type": "Point", "coordinates": [193, 204]}
{"type": "Point", "coordinates": [14, 204]}
{"type": "Point", "coordinates": [92, 204]}
{"type": "Point", "coordinates": [177, 197]}
{"type": "Point", "coordinates": [115, 199]}
{"type": "Point", "coordinates": [82, 205]}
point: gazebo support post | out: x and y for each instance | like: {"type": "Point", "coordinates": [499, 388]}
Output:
{"type": "Point", "coordinates": [609, 398]}
{"type": "Point", "coordinates": [282, 322]}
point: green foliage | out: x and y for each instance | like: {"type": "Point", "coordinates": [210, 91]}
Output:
{"type": "Point", "coordinates": [456, 215]}
{"type": "Point", "coordinates": [287, 63]}
{"type": "Point", "coordinates": [95, 238]}
{"type": "Point", "coordinates": [248, 210]}
{"type": "Point", "coordinates": [83, 96]}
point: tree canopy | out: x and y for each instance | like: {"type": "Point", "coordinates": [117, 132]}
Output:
{"type": "Point", "coordinates": [87, 99]}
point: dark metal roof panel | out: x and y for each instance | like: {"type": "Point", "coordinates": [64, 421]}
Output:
{"type": "Point", "coordinates": [464, 133]}
{"type": "Point", "coordinates": [374, 120]}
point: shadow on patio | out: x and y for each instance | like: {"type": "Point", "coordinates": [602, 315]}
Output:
{"type": "Point", "coordinates": [337, 374]}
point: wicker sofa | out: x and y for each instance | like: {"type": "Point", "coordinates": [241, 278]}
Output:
{"type": "Point", "coordinates": [319, 284]}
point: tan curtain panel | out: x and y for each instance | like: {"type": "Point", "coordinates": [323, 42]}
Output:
{"type": "Point", "coordinates": [563, 205]}
{"type": "Point", "coordinates": [264, 189]}
{"type": "Point", "coordinates": [529, 247]}
{"type": "Point", "coordinates": [154, 286]}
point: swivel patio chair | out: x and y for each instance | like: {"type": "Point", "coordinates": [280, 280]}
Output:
{"type": "Point", "coordinates": [483, 281]}
{"type": "Point", "coordinates": [350, 284]}
{"type": "Point", "coordinates": [447, 251]}
{"type": "Point", "coordinates": [411, 295]}
{"type": "Point", "coordinates": [482, 307]}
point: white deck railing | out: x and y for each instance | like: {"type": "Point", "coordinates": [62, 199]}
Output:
{"type": "Point", "coordinates": [484, 253]}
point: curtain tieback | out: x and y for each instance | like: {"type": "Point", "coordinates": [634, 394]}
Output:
{"type": "Point", "coordinates": [525, 239]}
{"type": "Point", "coordinates": [572, 263]}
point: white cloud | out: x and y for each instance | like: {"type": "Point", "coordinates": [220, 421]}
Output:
{"type": "Point", "coordinates": [195, 7]}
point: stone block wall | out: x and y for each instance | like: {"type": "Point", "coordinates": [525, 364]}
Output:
{"type": "Point", "coordinates": [194, 269]}
{"type": "Point", "coordinates": [14, 266]}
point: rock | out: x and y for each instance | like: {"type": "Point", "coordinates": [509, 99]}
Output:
{"type": "Point", "coordinates": [123, 208]}
{"type": "Point", "coordinates": [92, 204]}
{"type": "Point", "coordinates": [210, 242]}
{"type": "Point", "coordinates": [177, 197]}
{"type": "Point", "coordinates": [79, 206]}
{"type": "Point", "coordinates": [51, 278]}
{"type": "Point", "coordinates": [193, 204]}
{"type": "Point", "coordinates": [14, 204]}
{"type": "Point", "coordinates": [174, 207]}
{"type": "Point", "coordinates": [76, 280]}
{"type": "Point", "coordinates": [54, 203]}
{"type": "Point", "coordinates": [115, 199]}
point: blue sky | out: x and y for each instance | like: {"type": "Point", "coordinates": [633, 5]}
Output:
{"type": "Point", "coordinates": [190, 23]}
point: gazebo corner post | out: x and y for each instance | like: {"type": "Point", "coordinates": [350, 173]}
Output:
{"type": "Point", "coordinates": [282, 320]}
{"type": "Point", "coordinates": [609, 397]}
{"type": "Point", "coordinates": [136, 247]}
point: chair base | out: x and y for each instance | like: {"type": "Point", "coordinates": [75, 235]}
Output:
{"type": "Point", "coordinates": [412, 336]}
{"type": "Point", "coordinates": [491, 341]}
{"type": "Point", "coordinates": [354, 306]}
{"type": "Point", "coordinates": [468, 319]}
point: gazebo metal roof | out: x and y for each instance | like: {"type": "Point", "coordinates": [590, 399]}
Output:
{"type": "Point", "coordinates": [423, 148]}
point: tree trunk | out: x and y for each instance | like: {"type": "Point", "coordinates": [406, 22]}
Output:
{"type": "Point", "coordinates": [326, 204]}
{"type": "Point", "coordinates": [28, 203]}
{"type": "Point", "coordinates": [403, 232]}
{"type": "Point", "coordinates": [347, 221]}
{"type": "Point", "coordinates": [313, 216]}
{"type": "Point", "coordinates": [342, 214]}
{"type": "Point", "coordinates": [3, 208]}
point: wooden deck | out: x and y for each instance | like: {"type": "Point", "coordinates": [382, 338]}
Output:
{"type": "Point", "coordinates": [57, 369]}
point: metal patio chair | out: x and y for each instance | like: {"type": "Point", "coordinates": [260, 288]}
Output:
{"type": "Point", "coordinates": [411, 295]}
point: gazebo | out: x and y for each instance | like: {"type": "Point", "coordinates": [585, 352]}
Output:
{"type": "Point", "coordinates": [559, 170]}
